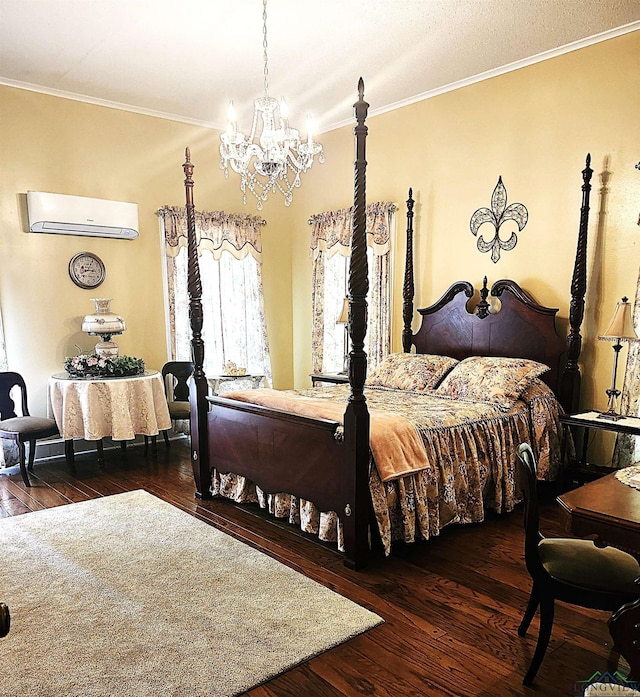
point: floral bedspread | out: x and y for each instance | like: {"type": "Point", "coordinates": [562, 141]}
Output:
{"type": "Point", "coordinates": [471, 449]}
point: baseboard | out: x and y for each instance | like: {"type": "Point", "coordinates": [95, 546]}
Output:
{"type": "Point", "coordinates": [52, 448]}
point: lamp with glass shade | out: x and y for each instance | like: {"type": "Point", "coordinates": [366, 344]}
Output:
{"type": "Point", "coordinates": [620, 330]}
{"type": "Point", "coordinates": [104, 324]}
{"type": "Point", "coordinates": [344, 319]}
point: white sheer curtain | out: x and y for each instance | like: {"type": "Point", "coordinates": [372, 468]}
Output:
{"type": "Point", "coordinates": [230, 251]}
{"type": "Point", "coordinates": [627, 449]}
{"type": "Point", "coordinates": [330, 250]}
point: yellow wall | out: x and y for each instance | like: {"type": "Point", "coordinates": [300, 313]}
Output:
{"type": "Point", "coordinates": [533, 127]}
{"type": "Point", "coordinates": [63, 146]}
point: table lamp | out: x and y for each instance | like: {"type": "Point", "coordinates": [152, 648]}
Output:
{"type": "Point", "coordinates": [344, 319]}
{"type": "Point", "coordinates": [620, 329]}
{"type": "Point", "coordinates": [105, 324]}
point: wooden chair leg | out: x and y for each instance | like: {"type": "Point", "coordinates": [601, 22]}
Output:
{"type": "Point", "coordinates": [532, 606]}
{"type": "Point", "coordinates": [165, 435]}
{"type": "Point", "coordinates": [624, 627]}
{"type": "Point", "coordinates": [23, 466]}
{"type": "Point", "coordinates": [69, 455]}
{"type": "Point", "coordinates": [146, 444]}
{"type": "Point", "coordinates": [32, 455]}
{"type": "Point", "coordinates": [546, 624]}
{"type": "Point", "coordinates": [100, 447]}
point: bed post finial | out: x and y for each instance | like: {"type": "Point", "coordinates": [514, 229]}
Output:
{"type": "Point", "coordinates": [198, 388]}
{"type": "Point", "coordinates": [356, 417]}
{"type": "Point", "coordinates": [408, 288]}
{"type": "Point", "coordinates": [569, 391]}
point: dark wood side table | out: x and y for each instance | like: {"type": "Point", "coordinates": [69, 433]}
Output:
{"type": "Point", "coordinates": [583, 471]}
{"type": "Point", "coordinates": [216, 380]}
{"type": "Point", "coordinates": [334, 378]}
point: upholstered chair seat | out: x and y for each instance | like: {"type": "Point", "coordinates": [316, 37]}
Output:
{"type": "Point", "coordinates": [179, 410]}
{"type": "Point", "coordinates": [582, 564]}
{"type": "Point", "coordinates": [31, 426]}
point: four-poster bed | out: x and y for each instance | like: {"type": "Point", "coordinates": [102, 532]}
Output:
{"type": "Point", "coordinates": [322, 455]}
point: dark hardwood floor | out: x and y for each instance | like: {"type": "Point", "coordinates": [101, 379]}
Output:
{"type": "Point", "coordinates": [451, 605]}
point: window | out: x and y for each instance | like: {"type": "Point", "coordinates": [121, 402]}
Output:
{"type": "Point", "coordinates": [230, 253]}
{"type": "Point", "coordinates": [330, 249]}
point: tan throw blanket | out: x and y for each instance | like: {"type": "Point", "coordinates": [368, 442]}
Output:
{"type": "Point", "coordinates": [395, 442]}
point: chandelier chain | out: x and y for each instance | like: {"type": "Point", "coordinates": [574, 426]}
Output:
{"type": "Point", "coordinates": [264, 46]}
{"type": "Point", "coordinates": [272, 156]}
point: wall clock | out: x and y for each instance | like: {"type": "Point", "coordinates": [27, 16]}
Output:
{"type": "Point", "coordinates": [87, 270]}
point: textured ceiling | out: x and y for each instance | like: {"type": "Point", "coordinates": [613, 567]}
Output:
{"type": "Point", "coordinates": [186, 60]}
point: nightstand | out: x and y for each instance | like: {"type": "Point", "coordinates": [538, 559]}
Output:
{"type": "Point", "coordinates": [582, 471]}
{"type": "Point", "coordinates": [334, 378]}
{"type": "Point", "coordinates": [216, 380]}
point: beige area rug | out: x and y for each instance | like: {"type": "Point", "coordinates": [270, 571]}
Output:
{"type": "Point", "coordinates": [128, 595]}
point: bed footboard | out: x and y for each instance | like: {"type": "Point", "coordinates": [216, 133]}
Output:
{"type": "Point", "coordinates": [283, 452]}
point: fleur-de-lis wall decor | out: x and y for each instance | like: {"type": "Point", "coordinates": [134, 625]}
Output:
{"type": "Point", "coordinates": [498, 214]}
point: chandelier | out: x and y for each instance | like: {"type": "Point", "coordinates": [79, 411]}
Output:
{"type": "Point", "coordinates": [273, 156]}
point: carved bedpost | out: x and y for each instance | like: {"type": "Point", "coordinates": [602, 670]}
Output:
{"type": "Point", "coordinates": [569, 390]}
{"type": "Point", "coordinates": [356, 418]}
{"type": "Point", "coordinates": [408, 289]}
{"type": "Point", "coordinates": [198, 388]}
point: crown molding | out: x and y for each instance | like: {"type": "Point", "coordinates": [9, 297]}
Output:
{"type": "Point", "coordinates": [487, 75]}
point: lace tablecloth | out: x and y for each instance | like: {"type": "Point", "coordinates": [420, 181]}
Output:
{"type": "Point", "coordinates": [630, 476]}
{"type": "Point", "coordinates": [118, 408]}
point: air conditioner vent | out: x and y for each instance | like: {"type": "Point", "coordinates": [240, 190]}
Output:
{"type": "Point", "coordinates": [62, 214]}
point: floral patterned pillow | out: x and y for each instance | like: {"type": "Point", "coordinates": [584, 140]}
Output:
{"type": "Point", "coordinates": [536, 389]}
{"type": "Point", "coordinates": [410, 371]}
{"type": "Point", "coordinates": [498, 381]}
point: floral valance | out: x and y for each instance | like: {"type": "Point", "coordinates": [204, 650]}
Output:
{"type": "Point", "coordinates": [331, 231]}
{"type": "Point", "coordinates": [216, 232]}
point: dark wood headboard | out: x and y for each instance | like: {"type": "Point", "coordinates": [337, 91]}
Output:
{"type": "Point", "coordinates": [521, 328]}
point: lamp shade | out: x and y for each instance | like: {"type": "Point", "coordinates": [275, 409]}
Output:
{"type": "Point", "coordinates": [103, 321]}
{"type": "Point", "coordinates": [104, 324]}
{"type": "Point", "coordinates": [621, 326]}
{"type": "Point", "coordinates": [344, 313]}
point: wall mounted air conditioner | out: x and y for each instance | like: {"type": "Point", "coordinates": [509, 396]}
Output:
{"type": "Point", "coordinates": [78, 215]}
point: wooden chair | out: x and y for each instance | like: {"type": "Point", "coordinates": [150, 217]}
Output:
{"type": "Point", "coordinates": [570, 570]}
{"type": "Point", "coordinates": [175, 375]}
{"type": "Point", "coordinates": [21, 429]}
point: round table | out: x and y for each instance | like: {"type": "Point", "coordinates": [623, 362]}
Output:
{"type": "Point", "coordinates": [119, 408]}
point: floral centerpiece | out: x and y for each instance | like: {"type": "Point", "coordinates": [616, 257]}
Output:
{"type": "Point", "coordinates": [92, 366]}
